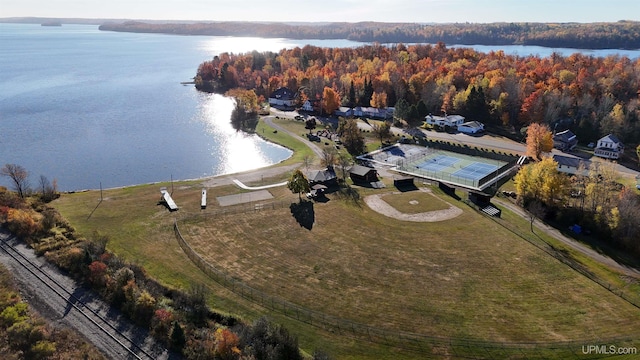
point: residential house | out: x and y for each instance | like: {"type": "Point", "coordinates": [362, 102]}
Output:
{"type": "Point", "coordinates": [282, 97]}
{"type": "Point", "coordinates": [446, 120]}
{"type": "Point", "coordinates": [570, 165]}
{"type": "Point", "coordinates": [565, 140]}
{"type": "Point", "coordinates": [471, 127]}
{"type": "Point", "coordinates": [371, 112]}
{"type": "Point", "coordinates": [343, 111]}
{"type": "Point", "coordinates": [307, 106]}
{"type": "Point", "coordinates": [609, 147]}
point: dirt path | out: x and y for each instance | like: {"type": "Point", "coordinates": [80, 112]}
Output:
{"type": "Point", "coordinates": [376, 204]}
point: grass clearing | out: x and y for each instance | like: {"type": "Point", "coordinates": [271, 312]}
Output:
{"type": "Point", "coordinates": [414, 202]}
{"type": "Point", "coordinates": [464, 277]}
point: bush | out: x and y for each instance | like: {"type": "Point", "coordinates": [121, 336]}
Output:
{"type": "Point", "coordinates": [23, 223]}
{"type": "Point", "coordinates": [14, 314]}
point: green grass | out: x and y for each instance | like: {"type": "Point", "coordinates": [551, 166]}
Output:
{"type": "Point", "coordinates": [300, 150]}
{"type": "Point", "coordinates": [467, 277]}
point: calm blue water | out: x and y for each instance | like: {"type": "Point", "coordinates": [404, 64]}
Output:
{"type": "Point", "coordinates": [87, 107]}
{"type": "Point", "coordinates": [84, 106]}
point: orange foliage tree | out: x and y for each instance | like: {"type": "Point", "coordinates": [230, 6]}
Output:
{"type": "Point", "coordinates": [539, 140]}
{"type": "Point", "coordinates": [330, 100]}
{"type": "Point", "coordinates": [379, 100]}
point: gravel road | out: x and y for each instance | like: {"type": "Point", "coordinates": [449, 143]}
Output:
{"type": "Point", "coordinates": [103, 329]}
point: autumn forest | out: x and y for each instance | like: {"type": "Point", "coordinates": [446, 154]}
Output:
{"type": "Point", "coordinates": [592, 96]}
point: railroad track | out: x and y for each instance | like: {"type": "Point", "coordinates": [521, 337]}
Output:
{"type": "Point", "coordinates": [113, 341]}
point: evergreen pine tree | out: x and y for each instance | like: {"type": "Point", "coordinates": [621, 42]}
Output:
{"type": "Point", "coordinates": [178, 339]}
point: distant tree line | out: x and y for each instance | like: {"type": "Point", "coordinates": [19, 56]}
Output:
{"type": "Point", "coordinates": [614, 35]}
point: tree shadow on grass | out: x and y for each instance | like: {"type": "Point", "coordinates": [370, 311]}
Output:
{"type": "Point", "coordinates": [303, 213]}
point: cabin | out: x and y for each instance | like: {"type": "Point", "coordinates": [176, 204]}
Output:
{"type": "Point", "coordinates": [282, 97]}
{"type": "Point", "coordinates": [609, 147]}
{"type": "Point", "coordinates": [363, 174]}
{"type": "Point", "coordinates": [471, 127]}
{"type": "Point", "coordinates": [325, 177]}
{"type": "Point", "coordinates": [565, 140]}
{"type": "Point", "coordinates": [446, 120]}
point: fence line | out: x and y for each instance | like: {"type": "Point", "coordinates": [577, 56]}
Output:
{"type": "Point", "coordinates": [461, 347]}
{"type": "Point", "coordinates": [550, 250]}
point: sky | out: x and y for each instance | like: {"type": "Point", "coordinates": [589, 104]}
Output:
{"type": "Point", "coordinates": [421, 11]}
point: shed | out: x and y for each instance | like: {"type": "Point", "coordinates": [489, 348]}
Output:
{"type": "Point", "coordinates": [403, 182]}
{"type": "Point", "coordinates": [363, 174]}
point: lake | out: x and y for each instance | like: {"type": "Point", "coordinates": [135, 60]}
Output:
{"type": "Point", "coordinates": [88, 107]}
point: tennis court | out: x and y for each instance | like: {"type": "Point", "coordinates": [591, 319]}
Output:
{"type": "Point", "coordinates": [451, 167]}
{"type": "Point", "coordinates": [475, 171]}
{"type": "Point", "coordinates": [438, 163]}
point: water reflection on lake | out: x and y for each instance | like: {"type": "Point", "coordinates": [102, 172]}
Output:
{"type": "Point", "coordinates": [235, 151]}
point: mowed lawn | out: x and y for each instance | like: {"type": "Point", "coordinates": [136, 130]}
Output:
{"type": "Point", "coordinates": [465, 277]}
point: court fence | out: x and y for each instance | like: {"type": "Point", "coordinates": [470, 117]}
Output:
{"type": "Point", "coordinates": [505, 162]}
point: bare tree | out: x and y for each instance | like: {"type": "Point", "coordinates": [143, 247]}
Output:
{"type": "Point", "coordinates": [48, 190]}
{"type": "Point", "coordinates": [344, 162]}
{"type": "Point", "coordinates": [329, 157]}
{"type": "Point", "coordinates": [307, 159]}
{"type": "Point", "coordinates": [536, 211]}
{"type": "Point", "coordinates": [19, 176]}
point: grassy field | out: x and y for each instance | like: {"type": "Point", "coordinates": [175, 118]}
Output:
{"type": "Point", "coordinates": [463, 278]}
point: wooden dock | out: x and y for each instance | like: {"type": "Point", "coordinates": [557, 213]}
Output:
{"type": "Point", "coordinates": [166, 197]}
{"type": "Point", "coordinates": [203, 201]}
